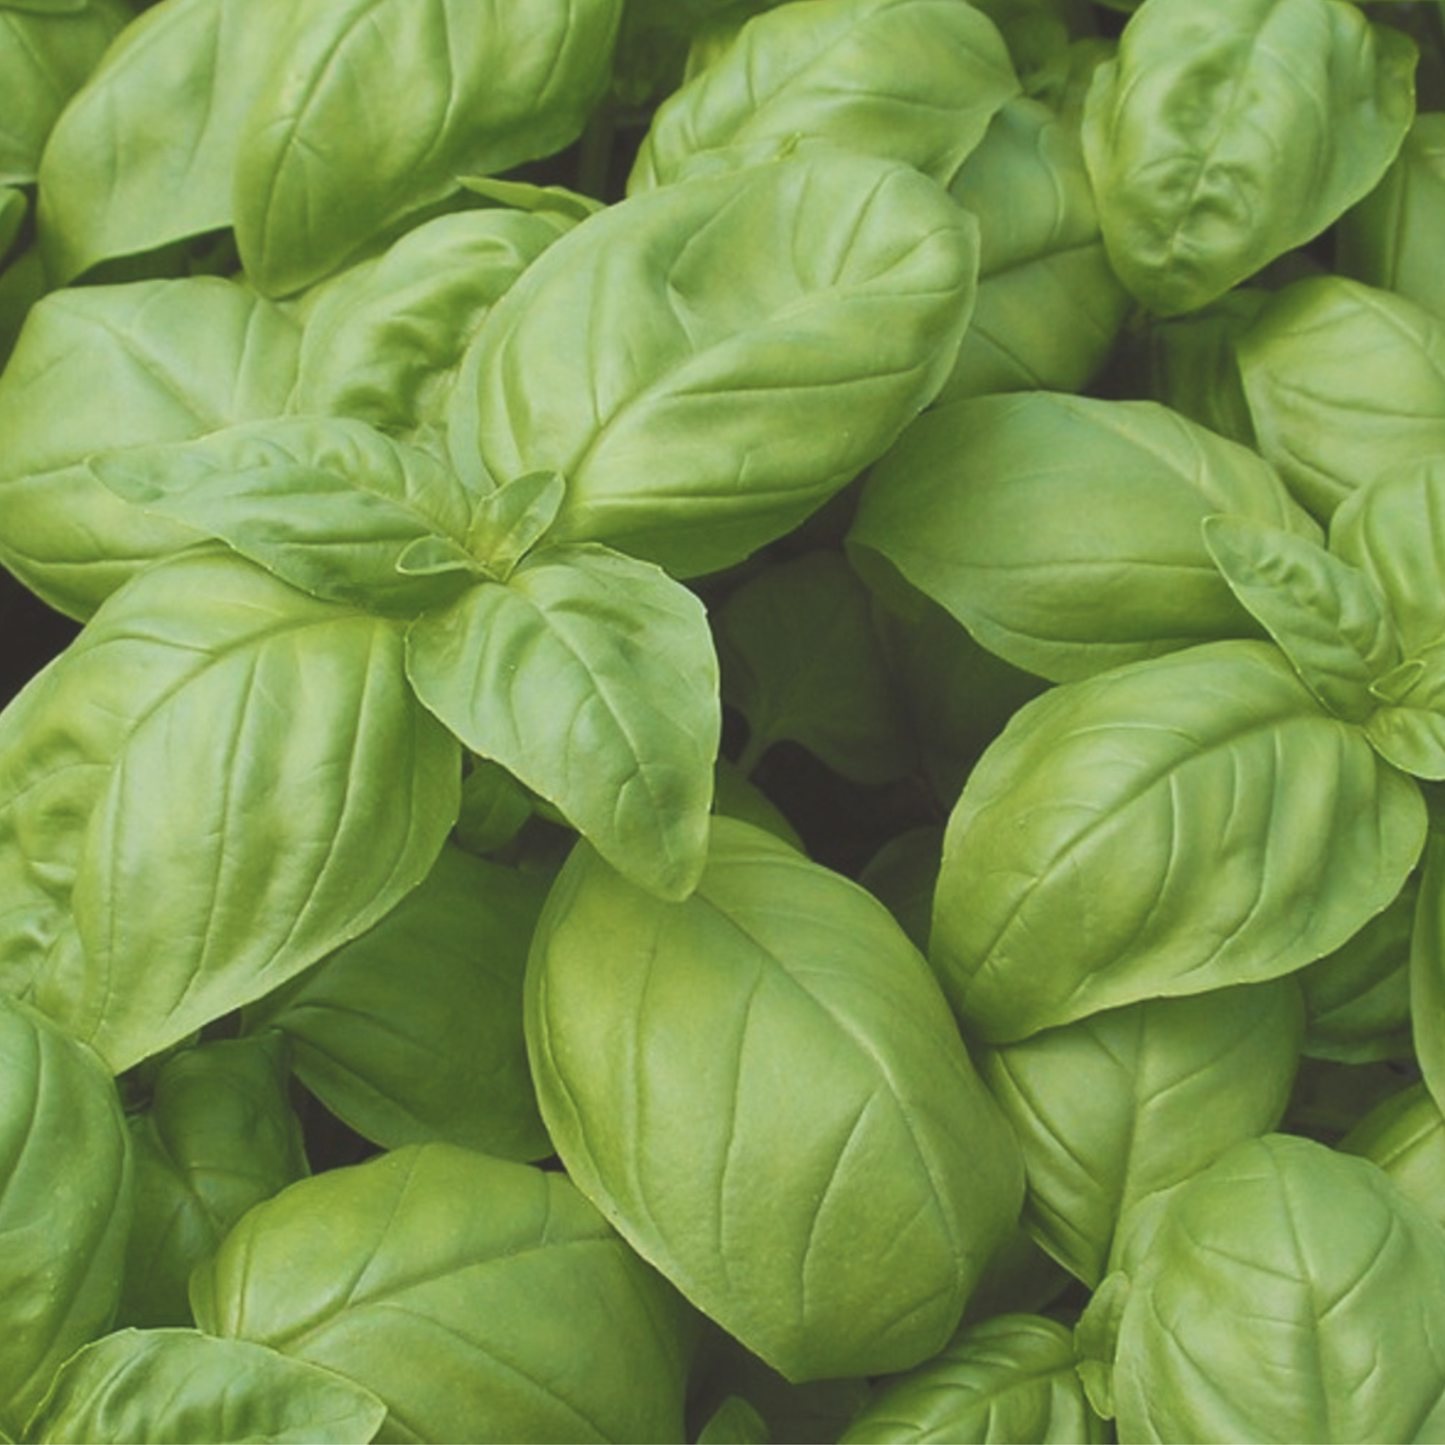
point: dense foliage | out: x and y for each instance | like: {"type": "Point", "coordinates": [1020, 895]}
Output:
{"type": "Point", "coordinates": [750, 741]}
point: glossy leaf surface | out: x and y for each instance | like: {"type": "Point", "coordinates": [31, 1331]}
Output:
{"type": "Point", "coordinates": [700, 389]}
{"type": "Point", "coordinates": [590, 677]}
{"type": "Point", "coordinates": [104, 368]}
{"type": "Point", "coordinates": [479, 1299]}
{"type": "Point", "coordinates": [179, 1387]}
{"type": "Point", "coordinates": [1115, 1106]}
{"type": "Point", "coordinates": [911, 80]}
{"type": "Point", "coordinates": [763, 1088]}
{"type": "Point", "coordinates": [1064, 532]}
{"type": "Point", "coordinates": [1165, 828]}
{"type": "Point", "coordinates": [1010, 1378]}
{"type": "Point", "coordinates": [1181, 132]}
{"type": "Point", "coordinates": [251, 784]}
{"type": "Point", "coordinates": [65, 1204]}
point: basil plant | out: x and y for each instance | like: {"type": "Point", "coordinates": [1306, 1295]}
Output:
{"type": "Point", "coordinates": [745, 723]}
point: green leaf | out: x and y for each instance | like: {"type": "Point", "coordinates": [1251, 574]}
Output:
{"type": "Point", "coordinates": [1049, 305]}
{"type": "Point", "coordinates": [13, 209]}
{"type": "Point", "coordinates": [707, 363]}
{"type": "Point", "coordinates": [178, 1387]}
{"type": "Point", "coordinates": [1288, 1292]}
{"type": "Point", "coordinates": [763, 1087]}
{"type": "Point", "coordinates": [1427, 969]}
{"type": "Point", "coordinates": [45, 57]}
{"type": "Point", "coordinates": [734, 1422]}
{"type": "Point", "coordinates": [413, 1031]}
{"type": "Point", "coordinates": [65, 1204]}
{"type": "Point", "coordinates": [1115, 1106]}
{"type": "Point", "coordinates": [1064, 532]}
{"type": "Point", "coordinates": [479, 1299]}
{"type": "Point", "coordinates": [320, 172]}
{"type": "Point", "coordinates": [1388, 240]}
{"type": "Point", "coordinates": [243, 781]}
{"type": "Point", "coordinates": [509, 522]}
{"type": "Point", "coordinates": [1326, 616]}
{"type": "Point", "coordinates": [494, 807]}
{"type": "Point", "coordinates": [1409, 730]}
{"type": "Point", "coordinates": [801, 660]}
{"type": "Point", "coordinates": [591, 678]}
{"type": "Point", "coordinates": [1182, 133]}
{"type": "Point", "coordinates": [912, 80]}
{"type": "Point", "coordinates": [383, 340]}
{"type": "Point", "coordinates": [330, 505]}
{"type": "Point", "coordinates": [1166, 828]}
{"type": "Point", "coordinates": [1357, 999]}
{"type": "Point", "coordinates": [1405, 1136]}
{"type": "Point", "coordinates": [1344, 383]}
{"type": "Point", "coordinates": [99, 369]}
{"type": "Point", "coordinates": [145, 153]}
{"type": "Point", "coordinates": [1010, 1378]}
{"type": "Point", "coordinates": [218, 1137]}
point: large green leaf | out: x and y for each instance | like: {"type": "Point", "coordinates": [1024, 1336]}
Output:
{"type": "Point", "coordinates": [178, 1387]}
{"type": "Point", "coordinates": [479, 1299]}
{"type": "Point", "coordinates": [224, 780]}
{"type": "Point", "coordinates": [1064, 532]}
{"type": "Point", "coordinates": [382, 341]}
{"type": "Point", "coordinates": [413, 1032]}
{"type": "Point", "coordinates": [65, 1204]}
{"type": "Point", "coordinates": [1115, 1106]}
{"type": "Point", "coordinates": [1010, 1378]}
{"type": "Point", "coordinates": [1344, 383]}
{"type": "Point", "coordinates": [99, 369]}
{"type": "Point", "coordinates": [321, 169]}
{"type": "Point", "coordinates": [912, 80]}
{"type": "Point", "coordinates": [145, 153]}
{"type": "Point", "coordinates": [763, 1088]}
{"type": "Point", "coordinates": [1405, 1136]}
{"type": "Point", "coordinates": [328, 504]}
{"type": "Point", "coordinates": [44, 60]}
{"type": "Point", "coordinates": [1166, 828]}
{"type": "Point", "coordinates": [591, 677]}
{"type": "Point", "coordinates": [1226, 134]}
{"type": "Point", "coordinates": [707, 363]}
{"type": "Point", "coordinates": [219, 1135]}
{"type": "Point", "coordinates": [1287, 1293]}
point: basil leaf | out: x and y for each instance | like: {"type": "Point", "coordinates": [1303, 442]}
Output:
{"type": "Point", "coordinates": [1305, 1279]}
{"type": "Point", "coordinates": [218, 1137]}
{"type": "Point", "coordinates": [179, 1386]}
{"type": "Point", "coordinates": [145, 152]}
{"type": "Point", "coordinates": [591, 678]}
{"type": "Point", "coordinates": [1405, 1136]}
{"type": "Point", "coordinates": [911, 80]}
{"type": "Point", "coordinates": [99, 369]}
{"type": "Point", "coordinates": [1064, 532]}
{"type": "Point", "coordinates": [508, 522]}
{"type": "Point", "coordinates": [329, 505]}
{"type": "Point", "coordinates": [1387, 240]}
{"type": "Point", "coordinates": [801, 660]}
{"type": "Point", "coordinates": [1181, 134]}
{"type": "Point", "coordinates": [383, 340]}
{"type": "Point", "coordinates": [1115, 1106]}
{"type": "Point", "coordinates": [475, 88]}
{"type": "Point", "coordinates": [44, 59]}
{"type": "Point", "coordinates": [1009, 1378]}
{"type": "Point", "coordinates": [1166, 828]}
{"type": "Point", "coordinates": [1326, 616]}
{"type": "Point", "coordinates": [1427, 969]}
{"type": "Point", "coordinates": [701, 391]}
{"type": "Point", "coordinates": [734, 1422]}
{"type": "Point", "coordinates": [479, 1299]}
{"type": "Point", "coordinates": [837, 1233]}
{"type": "Point", "coordinates": [413, 1031]}
{"type": "Point", "coordinates": [257, 785]}
{"type": "Point", "coordinates": [1049, 305]}
{"type": "Point", "coordinates": [65, 1204]}
{"type": "Point", "coordinates": [1345, 383]}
